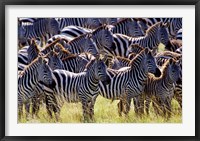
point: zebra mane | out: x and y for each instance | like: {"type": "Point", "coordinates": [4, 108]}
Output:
{"type": "Point", "coordinates": [138, 56]}
{"type": "Point", "coordinates": [141, 19]}
{"type": "Point", "coordinates": [34, 44]}
{"type": "Point", "coordinates": [72, 56]}
{"type": "Point", "coordinates": [51, 46]}
{"type": "Point", "coordinates": [79, 38]}
{"type": "Point", "coordinates": [50, 54]}
{"type": "Point", "coordinates": [131, 55]}
{"type": "Point", "coordinates": [59, 48]}
{"type": "Point", "coordinates": [136, 48]}
{"type": "Point", "coordinates": [89, 64]}
{"type": "Point", "coordinates": [153, 28]}
{"type": "Point", "coordinates": [123, 59]}
{"type": "Point", "coordinates": [170, 54]}
{"type": "Point", "coordinates": [122, 21]}
{"type": "Point", "coordinates": [34, 62]}
{"type": "Point", "coordinates": [100, 28]}
{"type": "Point", "coordinates": [165, 67]}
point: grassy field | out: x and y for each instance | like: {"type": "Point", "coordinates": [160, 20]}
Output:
{"type": "Point", "coordinates": [105, 112]}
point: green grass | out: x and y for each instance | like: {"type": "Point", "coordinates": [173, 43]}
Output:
{"type": "Point", "coordinates": [105, 112]}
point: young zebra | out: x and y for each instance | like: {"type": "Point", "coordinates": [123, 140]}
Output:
{"type": "Point", "coordinates": [31, 81]}
{"type": "Point", "coordinates": [161, 90]}
{"type": "Point", "coordinates": [129, 82]}
{"type": "Point", "coordinates": [82, 87]}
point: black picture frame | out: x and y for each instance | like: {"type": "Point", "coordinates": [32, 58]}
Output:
{"type": "Point", "coordinates": [98, 2]}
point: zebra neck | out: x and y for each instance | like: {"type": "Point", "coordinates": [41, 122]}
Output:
{"type": "Point", "coordinates": [92, 81]}
{"type": "Point", "coordinates": [167, 81]}
{"type": "Point", "coordinates": [147, 41]}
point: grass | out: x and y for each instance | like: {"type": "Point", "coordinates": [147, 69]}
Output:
{"type": "Point", "coordinates": [105, 112]}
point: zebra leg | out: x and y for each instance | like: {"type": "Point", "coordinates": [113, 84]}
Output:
{"type": "Point", "coordinates": [168, 108]}
{"type": "Point", "coordinates": [135, 102]}
{"type": "Point", "coordinates": [20, 111]}
{"type": "Point", "coordinates": [156, 106]}
{"type": "Point", "coordinates": [141, 104]}
{"type": "Point", "coordinates": [35, 106]}
{"type": "Point", "coordinates": [147, 104]}
{"type": "Point", "coordinates": [48, 106]}
{"type": "Point", "coordinates": [120, 108]}
{"type": "Point", "coordinates": [127, 103]}
{"type": "Point", "coordinates": [27, 108]}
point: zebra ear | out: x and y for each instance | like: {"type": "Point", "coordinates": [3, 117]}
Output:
{"type": "Point", "coordinates": [171, 61]}
{"type": "Point", "coordinates": [146, 50]}
{"type": "Point", "coordinates": [40, 60]}
{"type": "Point", "coordinates": [51, 53]}
{"type": "Point", "coordinates": [166, 25]}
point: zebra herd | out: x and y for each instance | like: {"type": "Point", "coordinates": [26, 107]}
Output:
{"type": "Point", "coordinates": [78, 59]}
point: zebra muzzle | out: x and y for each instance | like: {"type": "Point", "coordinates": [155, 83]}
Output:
{"type": "Point", "coordinates": [157, 73]}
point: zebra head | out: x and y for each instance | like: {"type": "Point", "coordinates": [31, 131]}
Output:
{"type": "Point", "coordinates": [44, 73]}
{"type": "Point", "coordinates": [164, 36]}
{"type": "Point", "coordinates": [33, 51]}
{"type": "Point", "coordinates": [134, 28]}
{"type": "Point", "coordinates": [21, 34]}
{"type": "Point", "coordinates": [90, 45]}
{"type": "Point", "coordinates": [143, 24]}
{"type": "Point", "coordinates": [174, 71]}
{"type": "Point", "coordinates": [53, 26]}
{"type": "Point", "coordinates": [92, 23]}
{"type": "Point", "coordinates": [54, 60]}
{"type": "Point", "coordinates": [103, 38]}
{"type": "Point", "coordinates": [151, 63]}
{"type": "Point", "coordinates": [100, 70]}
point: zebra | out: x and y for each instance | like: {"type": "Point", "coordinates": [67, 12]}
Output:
{"type": "Point", "coordinates": [161, 59]}
{"type": "Point", "coordinates": [161, 90]}
{"type": "Point", "coordinates": [128, 26]}
{"type": "Point", "coordinates": [175, 24]}
{"type": "Point", "coordinates": [41, 28]}
{"type": "Point", "coordinates": [129, 82]}
{"type": "Point", "coordinates": [82, 87]}
{"type": "Point", "coordinates": [54, 62]}
{"type": "Point", "coordinates": [155, 35]}
{"type": "Point", "coordinates": [31, 81]}
{"type": "Point", "coordinates": [91, 23]}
